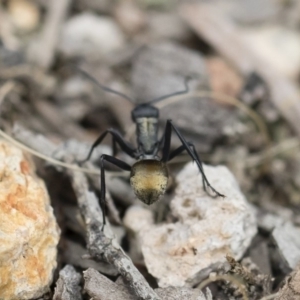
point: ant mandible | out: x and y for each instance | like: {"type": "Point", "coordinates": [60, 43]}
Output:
{"type": "Point", "coordinates": [149, 175]}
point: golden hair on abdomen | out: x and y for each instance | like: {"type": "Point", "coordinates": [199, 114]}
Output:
{"type": "Point", "coordinates": [149, 180]}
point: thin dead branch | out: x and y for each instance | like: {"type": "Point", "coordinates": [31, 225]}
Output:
{"type": "Point", "coordinates": [101, 245]}
{"type": "Point", "coordinates": [5, 89]}
{"type": "Point", "coordinates": [42, 51]}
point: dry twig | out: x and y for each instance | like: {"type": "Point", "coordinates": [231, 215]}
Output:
{"type": "Point", "coordinates": [60, 122]}
{"type": "Point", "coordinates": [5, 89]}
{"type": "Point", "coordinates": [101, 246]}
{"type": "Point", "coordinates": [43, 50]}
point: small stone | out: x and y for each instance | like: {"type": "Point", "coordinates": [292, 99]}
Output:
{"type": "Point", "coordinates": [130, 17]}
{"type": "Point", "coordinates": [287, 239]}
{"type": "Point", "coordinates": [67, 285]}
{"type": "Point", "coordinates": [223, 78]}
{"type": "Point", "coordinates": [278, 46]}
{"type": "Point", "coordinates": [24, 14]}
{"type": "Point", "coordinates": [269, 221]}
{"type": "Point", "coordinates": [98, 286]}
{"type": "Point", "coordinates": [90, 36]}
{"type": "Point", "coordinates": [182, 293]}
{"type": "Point", "coordinates": [28, 230]}
{"type": "Point", "coordinates": [207, 229]}
{"type": "Point", "coordinates": [74, 87]}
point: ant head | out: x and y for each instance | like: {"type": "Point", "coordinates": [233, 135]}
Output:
{"type": "Point", "coordinates": [144, 111]}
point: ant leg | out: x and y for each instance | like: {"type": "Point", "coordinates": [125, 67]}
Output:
{"type": "Point", "coordinates": [117, 162]}
{"type": "Point", "coordinates": [179, 150]}
{"type": "Point", "coordinates": [161, 142]}
{"type": "Point", "coordinates": [166, 154]}
{"type": "Point", "coordinates": [117, 139]}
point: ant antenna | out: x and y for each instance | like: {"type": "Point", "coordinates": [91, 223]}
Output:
{"type": "Point", "coordinates": [185, 91]}
{"type": "Point", "coordinates": [104, 88]}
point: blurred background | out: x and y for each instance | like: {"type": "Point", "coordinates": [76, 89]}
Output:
{"type": "Point", "coordinates": [245, 56]}
{"type": "Point", "coordinates": [249, 50]}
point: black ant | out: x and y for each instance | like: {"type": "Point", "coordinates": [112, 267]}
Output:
{"type": "Point", "coordinates": [149, 175]}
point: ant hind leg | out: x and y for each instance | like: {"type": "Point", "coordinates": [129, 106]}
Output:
{"type": "Point", "coordinates": [117, 162]}
{"type": "Point", "coordinates": [190, 148]}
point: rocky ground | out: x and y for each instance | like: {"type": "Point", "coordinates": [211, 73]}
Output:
{"type": "Point", "coordinates": [242, 62]}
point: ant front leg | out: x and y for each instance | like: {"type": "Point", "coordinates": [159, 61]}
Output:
{"type": "Point", "coordinates": [189, 147]}
{"type": "Point", "coordinates": [117, 162]}
{"type": "Point", "coordinates": [116, 139]}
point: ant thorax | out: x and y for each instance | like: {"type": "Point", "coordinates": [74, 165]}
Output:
{"type": "Point", "coordinates": [146, 118]}
{"type": "Point", "coordinates": [147, 129]}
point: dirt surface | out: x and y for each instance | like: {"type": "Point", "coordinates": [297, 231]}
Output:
{"type": "Point", "coordinates": [242, 110]}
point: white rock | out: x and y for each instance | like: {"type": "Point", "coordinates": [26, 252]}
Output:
{"type": "Point", "coordinates": [67, 285]}
{"type": "Point", "coordinates": [207, 229]}
{"type": "Point", "coordinates": [90, 36]}
{"type": "Point", "coordinates": [269, 221]}
{"type": "Point", "coordinates": [136, 219]}
{"type": "Point", "coordinates": [28, 230]}
{"type": "Point", "coordinates": [287, 238]}
{"type": "Point", "coordinates": [182, 293]}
